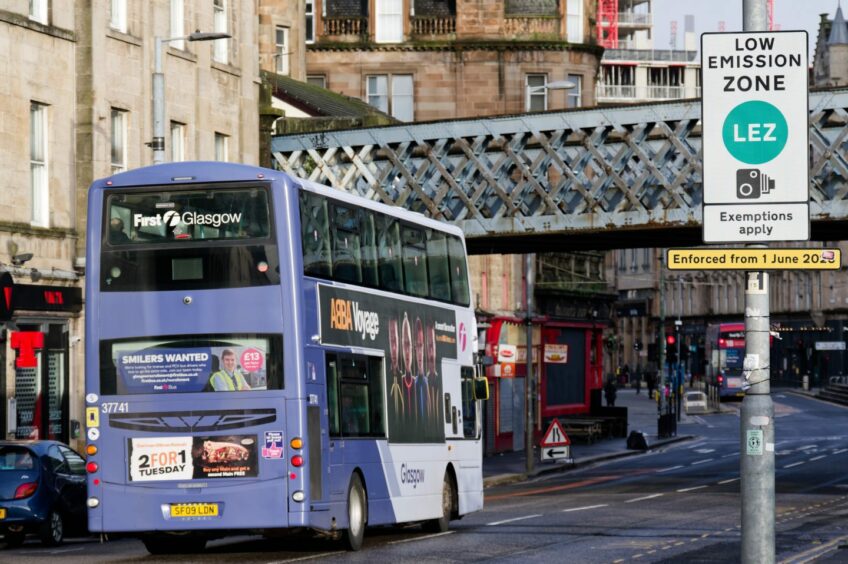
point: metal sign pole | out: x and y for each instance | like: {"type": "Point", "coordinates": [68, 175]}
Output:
{"type": "Point", "coordinates": [757, 414]}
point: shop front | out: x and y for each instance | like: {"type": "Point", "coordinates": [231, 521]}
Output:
{"type": "Point", "coordinates": [567, 361]}
{"type": "Point", "coordinates": [35, 347]}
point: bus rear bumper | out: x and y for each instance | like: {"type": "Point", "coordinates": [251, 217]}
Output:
{"type": "Point", "coordinates": [129, 509]}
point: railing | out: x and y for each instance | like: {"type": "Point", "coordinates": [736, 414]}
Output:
{"type": "Point", "coordinates": [433, 25]}
{"type": "Point", "coordinates": [357, 26]}
{"type": "Point", "coordinates": [651, 92]}
{"type": "Point", "coordinates": [618, 91]}
{"type": "Point", "coordinates": [624, 53]}
{"type": "Point", "coordinates": [665, 92]}
{"type": "Point", "coordinates": [523, 26]}
{"type": "Point", "coordinates": [631, 18]}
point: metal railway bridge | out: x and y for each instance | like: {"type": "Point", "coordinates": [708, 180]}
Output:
{"type": "Point", "coordinates": [601, 178]}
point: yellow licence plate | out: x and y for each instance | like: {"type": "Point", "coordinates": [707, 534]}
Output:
{"type": "Point", "coordinates": [2, 513]}
{"type": "Point", "coordinates": [194, 510]}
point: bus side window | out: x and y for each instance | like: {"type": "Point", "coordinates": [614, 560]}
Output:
{"type": "Point", "coordinates": [388, 248]}
{"type": "Point", "coordinates": [469, 405]}
{"type": "Point", "coordinates": [361, 396]}
{"type": "Point", "coordinates": [437, 264]}
{"type": "Point", "coordinates": [369, 249]}
{"type": "Point", "coordinates": [332, 394]}
{"type": "Point", "coordinates": [314, 234]}
{"type": "Point", "coordinates": [346, 244]}
{"type": "Point", "coordinates": [459, 271]}
{"type": "Point", "coordinates": [414, 261]}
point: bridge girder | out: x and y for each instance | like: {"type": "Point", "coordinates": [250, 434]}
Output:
{"type": "Point", "coordinates": [600, 178]}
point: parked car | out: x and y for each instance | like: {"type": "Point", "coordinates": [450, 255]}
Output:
{"type": "Point", "coordinates": [42, 491]}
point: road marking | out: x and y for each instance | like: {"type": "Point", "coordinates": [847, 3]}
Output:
{"type": "Point", "coordinates": [583, 508]}
{"type": "Point", "coordinates": [643, 498]}
{"type": "Point", "coordinates": [64, 550]}
{"type": "Point", "coordinates": [818, 457]}
{"type": "Point", "coordinates": [702, 461]}
{"type": "Point", "coordinates": [794, 464]}
{"type": "Point", "coordinates": [580, 484]}
{"type": "Point", "coordinates": [691, 489]}
{"type": "Point", "coordinates": [425, 537]}
{"type": "Point", "coordinates": [807, 447]}
{"type": "Point", "coordinates": [512, 520]}
{"type": "Point", "coordinates": [311, 557]}
{"type": "Point", "coordinates": [669, 469]}
{"type": "Point", "coordinates": [705, 450]}
{"type": "Point", "coordinates": [729, 481]}
{"type": "Point", "coordinates": [731, 454]}
{"type": "Point", "coordinates": [840, 451]}
{"type": "Point", "coordinates": [814, 553]}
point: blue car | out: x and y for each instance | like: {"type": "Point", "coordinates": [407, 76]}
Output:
{"type": "Point", "coordinates": [42, 491]}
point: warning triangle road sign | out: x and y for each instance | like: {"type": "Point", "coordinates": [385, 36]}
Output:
{"type": "Point", "coordinates": [555, 436]}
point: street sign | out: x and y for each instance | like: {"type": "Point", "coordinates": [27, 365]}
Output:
{"type": "Point", "coordinates": [830, 345]}
{"type": "Point", "coordinates": [555, 444]}
{"type": "Point", "coordinates": [755, 137]}
{"type": "Point", "coordinates": [556, 453]}
{"type": "Point", "coordinates": [754, 259]}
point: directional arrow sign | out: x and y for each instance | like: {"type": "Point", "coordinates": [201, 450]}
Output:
{"type": "Point", "coordinates": [555, 436]}
{"type": "Point", "coordinates": [556, 453]}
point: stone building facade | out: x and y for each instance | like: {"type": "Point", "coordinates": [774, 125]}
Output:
{"type": "Point", "coordinates": [77, 91]}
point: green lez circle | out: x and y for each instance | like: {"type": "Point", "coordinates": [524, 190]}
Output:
{"type": "Point", "coordinates": [755, 132]}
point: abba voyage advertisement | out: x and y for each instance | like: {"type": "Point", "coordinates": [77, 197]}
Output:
{"type": "Point", "coordinates": [416, 338]}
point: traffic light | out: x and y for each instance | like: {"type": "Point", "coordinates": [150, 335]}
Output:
{"type": "Point", "coordinates": [670, 349]}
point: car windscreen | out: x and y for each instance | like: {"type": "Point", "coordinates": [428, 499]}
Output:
{"type": "Point", "coordinates": [13, 458]}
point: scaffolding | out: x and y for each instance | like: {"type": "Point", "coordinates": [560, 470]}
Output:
{"type": "Point", "coordinates": [608, 23]}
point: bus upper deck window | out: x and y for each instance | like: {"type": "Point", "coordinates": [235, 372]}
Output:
{"type": "Point", "coordinates": [315, 234]}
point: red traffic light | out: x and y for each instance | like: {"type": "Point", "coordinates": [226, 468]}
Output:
{"type": "Point", "coordinates": [669, 339]}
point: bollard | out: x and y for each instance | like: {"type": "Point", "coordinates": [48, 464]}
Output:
{"type": "Point", "coordinates": [806, 383]}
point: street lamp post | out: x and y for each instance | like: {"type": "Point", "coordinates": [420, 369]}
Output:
{"type": "Point", "coordinates": [158, 142]}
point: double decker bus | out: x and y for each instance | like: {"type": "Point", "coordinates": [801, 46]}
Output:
{"type": "Point", "coordinates": [725, 349]}
{"type": "Point", "coordinates": [264, 353]}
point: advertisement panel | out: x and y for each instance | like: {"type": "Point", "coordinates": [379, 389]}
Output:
{"type": "Point", "coordinates": [415, 338]}
{"type": "Point", "coordinates": [185, 458]}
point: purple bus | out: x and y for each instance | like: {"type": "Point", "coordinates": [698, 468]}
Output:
{"type": "Point", "coordinates": [264, 353]}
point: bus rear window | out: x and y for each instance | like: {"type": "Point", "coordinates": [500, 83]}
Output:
{"type": "Point", "coordinates": [175, 216]}
{"type": "Point", "coordinates": [208, 363]}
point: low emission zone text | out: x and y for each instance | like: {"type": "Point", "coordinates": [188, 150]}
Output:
{"type": "Point", "coordinates": [754, 259]}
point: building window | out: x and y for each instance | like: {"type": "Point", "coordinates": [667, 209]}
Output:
{"type": "Point", "coordinates": [118, 17]}
{"type": "Point", "coordinates": [177, 23]}
{"type": "Point", "coordinates": [219, 9]}
{"type": "Point", "coordinates": [38, 11]}
{"type": "Point", "coordinates": [221, 147]}
{"type": "Point", "coordinates": [281, 51]}
{"type": "Point", "coordinates": [397, 101]}
{"type": "Point", "coordinates": [310, 21]}
{"type": "Point", "coordinates": [536, 99]}
{"type": "Point", "coordinates": [317, 80]}
{"type": "Point", "coordinates": [574, 21]}
{"type": "Point", "coordinates": [38, 164]}
{"type": "Point", "coordinates": [389, 21]}
{"type": "Point", "coordinates": [573, 96]}
{"type": "Point", "coordinates": [177, 141]}
{"type": "Point", "coordinates": [119, 141]}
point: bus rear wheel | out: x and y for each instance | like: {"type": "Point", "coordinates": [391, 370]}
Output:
{"type": "Point", "coordinates": [442, 524]}
{"type": "Point", "coordinates": [174, 544]}
{"type": "Point", "coordinates": [357, 514]}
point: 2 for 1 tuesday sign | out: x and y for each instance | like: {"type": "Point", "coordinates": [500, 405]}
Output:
{"type": "Point", "coordinates": [755, 137]}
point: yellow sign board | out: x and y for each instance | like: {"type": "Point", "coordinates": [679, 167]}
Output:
{"type": "Point", "coordinates": [754, 259]}
{"type": "Point", "coordinates": [92, 417]}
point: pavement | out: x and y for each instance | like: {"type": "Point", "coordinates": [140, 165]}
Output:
{"type": "Point", "coordinates": [510, 467]}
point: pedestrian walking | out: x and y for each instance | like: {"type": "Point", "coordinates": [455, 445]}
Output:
{"type": "Point", "coordinates": [651, 381]}
{"type": "Point", "coordinates": [610, 392]}
{"type": "Point", "coordinates": [638, 377]}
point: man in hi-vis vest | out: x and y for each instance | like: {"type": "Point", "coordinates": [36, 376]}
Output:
{"type": "Point", "coordinates": [228, 379]}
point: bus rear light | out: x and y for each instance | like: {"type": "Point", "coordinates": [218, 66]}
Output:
{"type": "Point", "coordinates": [92, 467]}
{"type": "Point", "coordinates": [91, 450]}
{"type": "Point", "coordinates": [25, 490]}
{"type": "Point", "coordinates": [298, 496]}
{"type": "Point", "coordinates": [96, 481]}
{"type": "Point", "coordinates": [296, 443]}
{"type": "Point", "coordinates": [720, 379]}
{"type": "Point", "coordinates": [92, 502]}
{"type": "Point", "coordinates": [297, 461]}
{"type": "Point", "coordinates": [293, 476]}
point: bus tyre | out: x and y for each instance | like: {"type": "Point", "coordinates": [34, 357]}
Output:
{"type": "Point", "coordinates": [52, 531]}
{"type": "Point", "coordinates": [441, 524]}
{"type": "Point", "coordinates": [357, 514]}
{"type": "Point", "coordinates": [174, 544]}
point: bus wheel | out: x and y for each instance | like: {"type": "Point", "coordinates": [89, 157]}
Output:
{"type": "Point", "coordinates": [441, 524]}
{"type": "Point", "coordinates": [174, 544]}
{"type": "Point", "coordinates": [357, 514]}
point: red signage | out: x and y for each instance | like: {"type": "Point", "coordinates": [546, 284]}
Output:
{"type": "Point", "coordinates": [26, 343]}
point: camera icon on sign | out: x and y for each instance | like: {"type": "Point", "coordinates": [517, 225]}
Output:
{"type": "Point", "coordinates": [751, 183]}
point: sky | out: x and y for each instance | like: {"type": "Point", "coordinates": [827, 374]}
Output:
{"type": "Point", "coordinates": [789, 15]}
